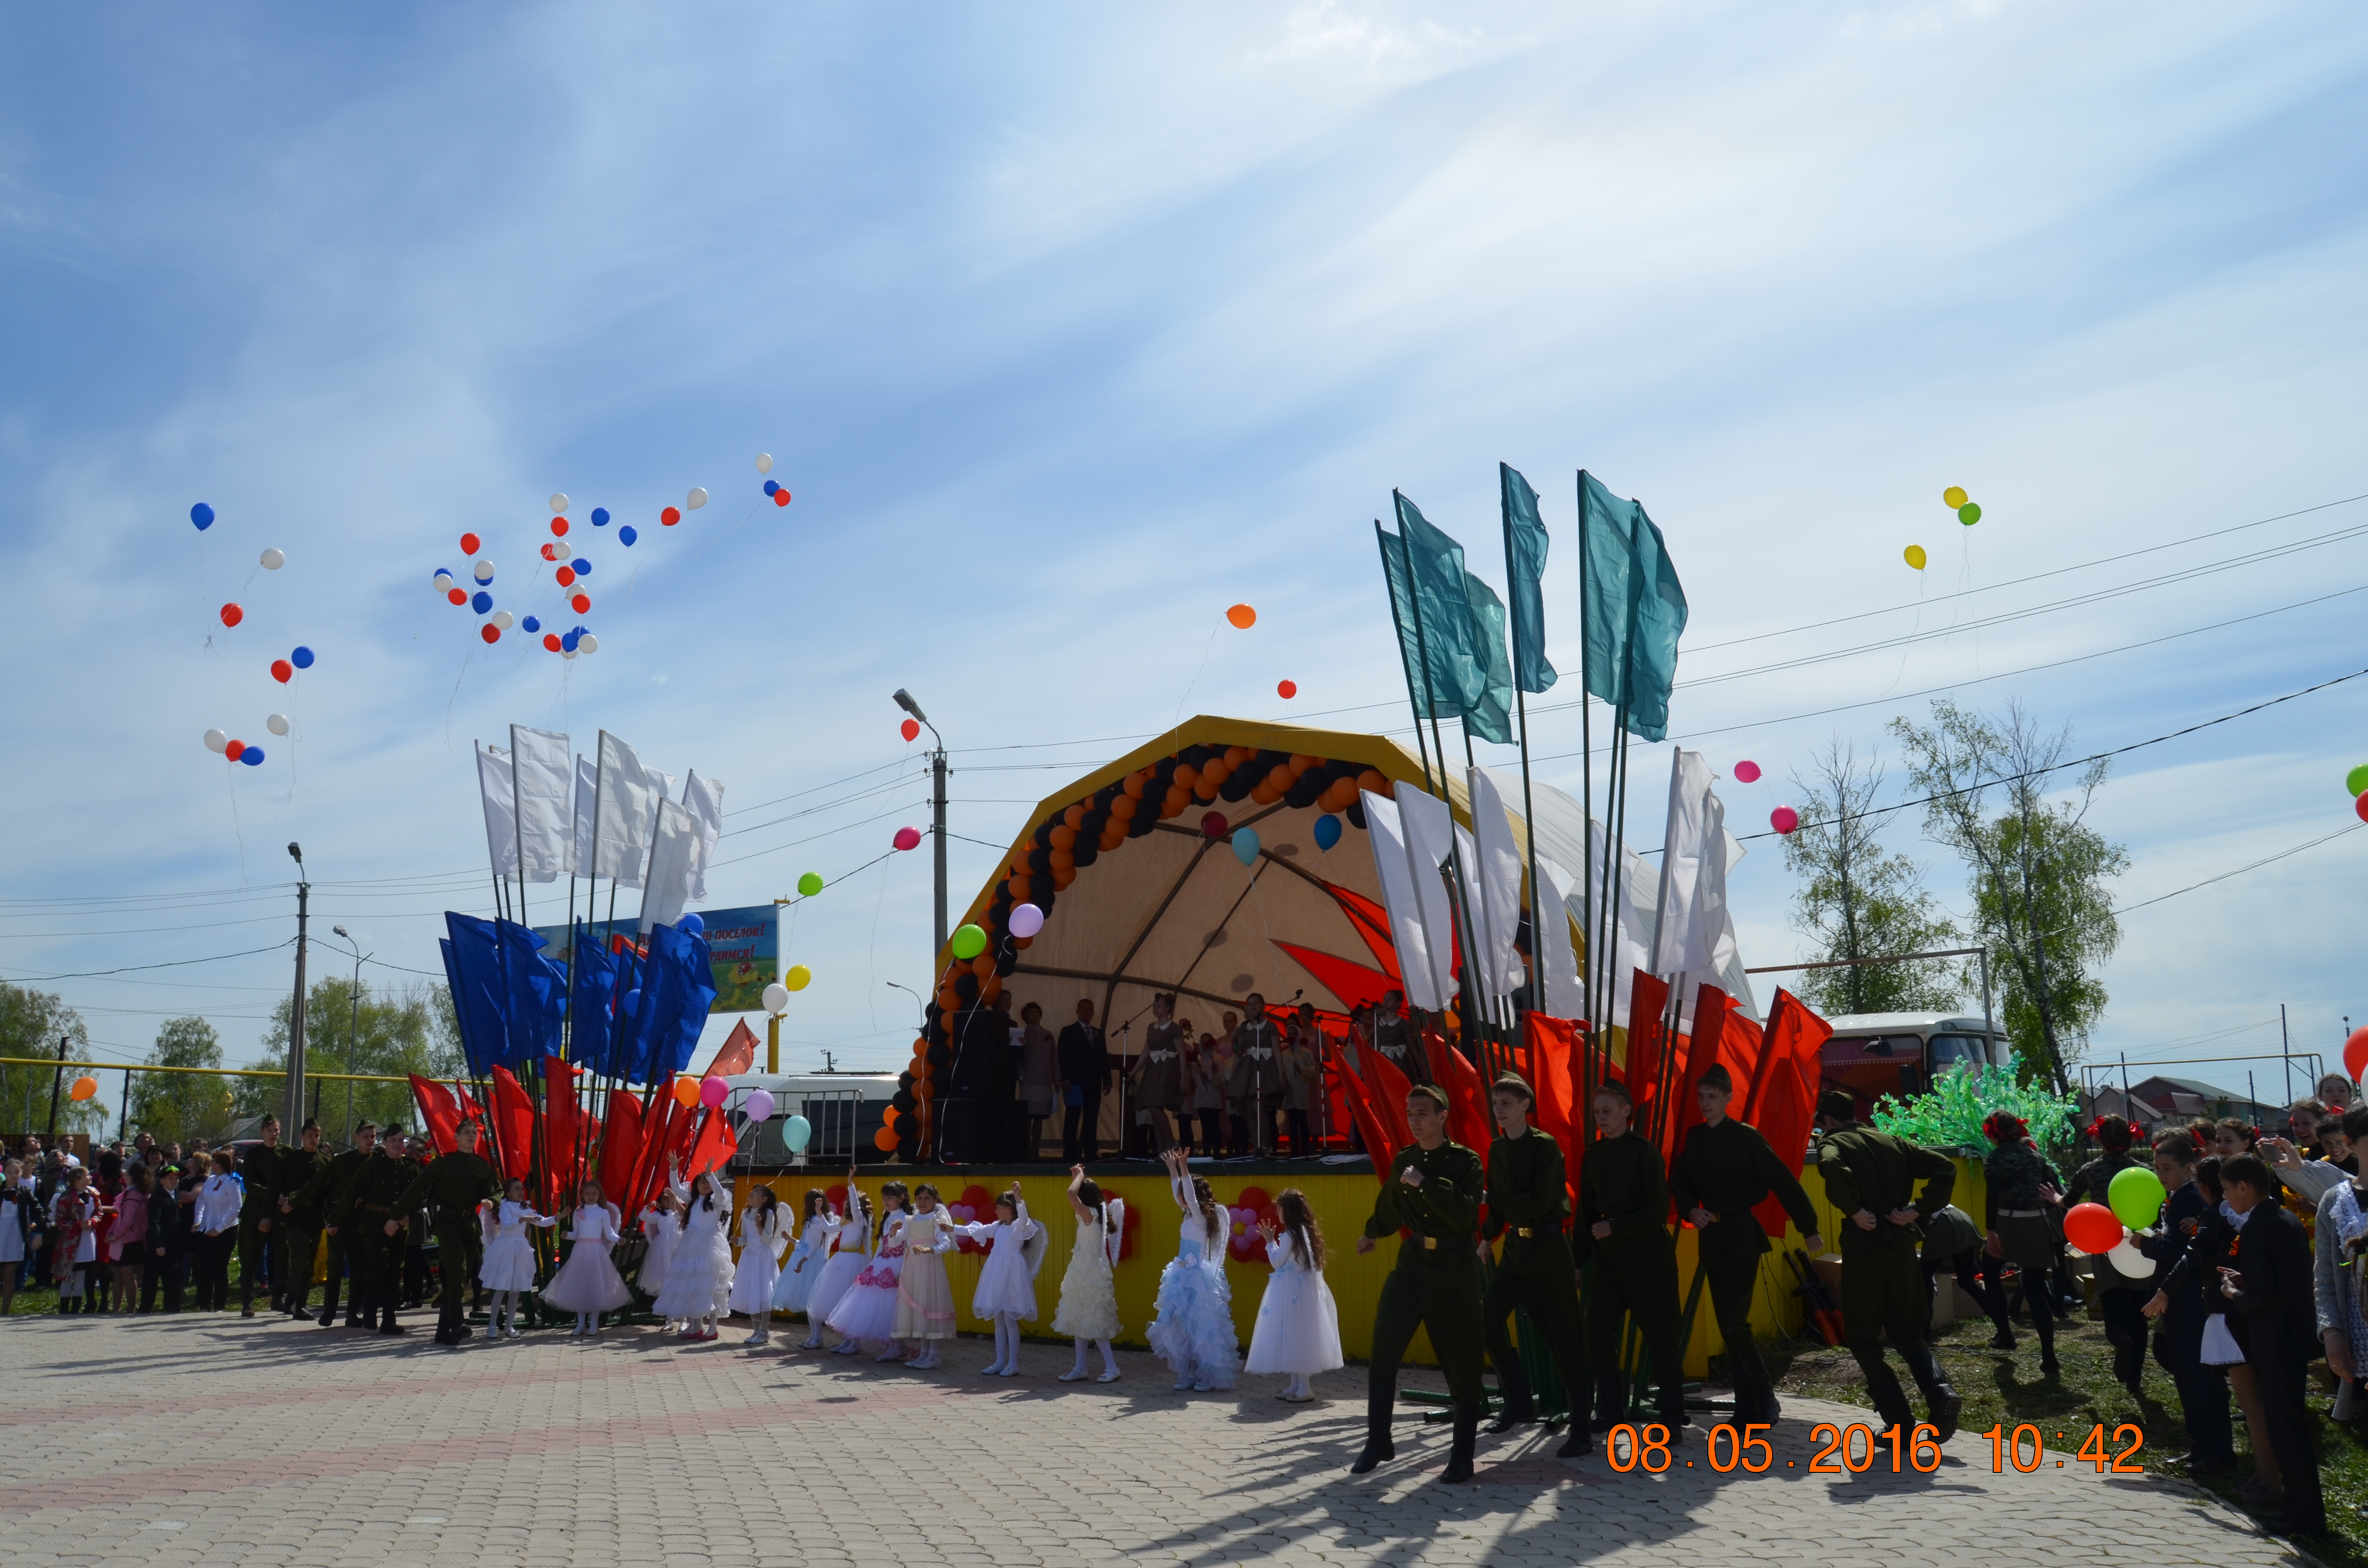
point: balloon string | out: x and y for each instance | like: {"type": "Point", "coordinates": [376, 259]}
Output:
{"type": "Point", "coordinates": [230, 781]}
{"type": "Point", "coordinates": [1178, 714]}
{"type": "Point", "coordinates": [456, 695]}
{"type": "Point", "coordinates": [711, 540]}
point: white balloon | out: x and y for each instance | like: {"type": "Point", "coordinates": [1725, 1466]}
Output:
{"type": "Point", "coordinates": [273, 561]}
{"type": "Point", "coordinates": [216, 741]}
{"type": "Point", "coordinates": [763, 462]}
{"type": "Point", "coordinates": [2129, 1261]}
{"type": "Point", "coordinates": [587, 643]}
{"type": "Point", "coordinates": [569, 652]}
{"type": "Point", "coordinates": [484, 571]}
{"type": "Point", "coordinates": [696, 499]}
{"type": "Point", "coordinates": [504, 620]}
{"type": "Point", "coordinates": [276, 723]}
{"type": "Point", "coordinates": [558, 502]}
{"type": "Point", "coordinates": [776, 997]}
{"type": "Point", "coordinates": [443, 579]}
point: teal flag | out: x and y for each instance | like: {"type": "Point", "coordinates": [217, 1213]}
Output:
{"type": "Point", "coordinates": [1395, 572]}
{"type": "Point", "coordinates": [1490, 715]}
{"type": "Point", "coordinates": [1635, 609]}
{"type": "Point", "coordinates": [1525, 570]}
{"type": "Point", "coordinates": [1457, 665]}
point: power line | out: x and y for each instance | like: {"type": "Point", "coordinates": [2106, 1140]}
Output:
{"type": "Point", "coordinates": [172, 963]}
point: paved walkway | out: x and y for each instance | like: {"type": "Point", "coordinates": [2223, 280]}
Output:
{"type": "Point", "coordinates": [212, 1440]}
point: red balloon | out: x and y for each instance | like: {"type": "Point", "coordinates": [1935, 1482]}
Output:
{"type": "Point", "coordinates": [910, 729]}
{"type": "Point", "coordinates": [2093, 1228]}
{"type": "Point", "coordinates": [469, 543]}
{"type": "Point", "coordinates": [781, 498]}
{"type": "Point", "coordinates": [1286, 689]}
{"type": "Point", "coordinates": [1213, 825]}
{"type": "Point", "coordinates": [236, 750]}
{"type": "Point", "coordinates": [233, 615]}
{"type": "Point", "coordinates": [459, 595]}
{"type": "Point", "coordinates": [565, 575]}
{"type": "Point", "coordinates": [490, 632]}
{"type": "Point", "coordinates": [2355, 1053]}
{"type": "Point", "coordinates": [559, 528]}
{"type": "Point", "coordinates": [670, 517]}
{"type": "Point", "coordinates": [2359, 805]}
{"type": "Point", "coordinates": [550, 640]}
{"type": "Point", "coordinates": [1747, 772]}
{"type": "Point", "coordinates": [550, 552]}
{"type": "Point", "coordinates": [582, 603]}
{"type": "Point", "coordinates": [1784, 819]}
{"type": "Point", "coordinates": [908, 838]}
{"type": "Point", "coordinates": [282, 671]}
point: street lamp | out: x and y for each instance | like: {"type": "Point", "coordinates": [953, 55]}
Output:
{"type": "Point", "coordinates": [917, 1001]}
{"type": "Point", "coordinates": [353, 1028]}
{"type": "Point", "coordinates": [936, 813]}
{"type": "Point", "coordinates": [293, 1116]}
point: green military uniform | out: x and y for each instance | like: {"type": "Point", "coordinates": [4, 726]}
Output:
{"type": "Point", "coordinates": [1729, 1170]}
{"type": "Point", "coordinates": [299, 1229]}
{"type": "Point", "coordinates": [1883, 1287]}
{"type": "Point", "coordinates": [258, 1175]}
{"type": "Point", "coordinates": [328, 1194]}
{"type": "Point", "coordinates": [1436, 1285]}
{"type": "Point", "coordinates": [1622, 1182]}
{"type": "Point", "coordinates": [453, 1185]}
{"type": "Point", "coordinates": [1528, 1202]}
{"type": "Point", "coordinates": [378, 1188]}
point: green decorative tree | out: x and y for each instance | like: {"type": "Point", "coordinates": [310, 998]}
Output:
{"type": "Point", "coordinates": [1950, 1115]}
{"type": "Point", "coordinates": [1855, 901]}
{"type": "Point", "coordinates": [32, 1024]}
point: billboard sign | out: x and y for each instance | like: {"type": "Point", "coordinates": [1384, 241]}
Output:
{"type": "Point", "coordinates": [745, 947]}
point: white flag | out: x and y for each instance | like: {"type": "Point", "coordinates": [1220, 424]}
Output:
{"type": "Point", "coordinates": [539, 762]}
{"type": "Point", "coordinates": [1566, 837]}
{"type": "Point", "coordinates": [1696, 928]}
{"type": "Point", "coordinates": [588, 795]}
{"type": "Point", "coordinates": [670, 867]}
{"type": "Point", "coordinates": [627, 797]}
{"type": "Point", "coordinates": [1565, 996]}
{"type": "Point", "coordinates": [501, 810]}
{"type": "Point", "coordinates": [1494, 865]}
{"type": "Point", "coordinates": [703, 798]}
{"type": "Point", "coordinates": [1410, 837]}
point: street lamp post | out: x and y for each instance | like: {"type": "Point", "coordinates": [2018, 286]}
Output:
{"type": "Point", "coordinates": [353, 1027]}
{"type": "Point", "coordinates": [293, 1116]}
{"type": "Point", "coordinates": [936, 815]}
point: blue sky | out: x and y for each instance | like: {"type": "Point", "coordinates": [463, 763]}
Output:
{"type": "Point", "coordinates": [1069, 327]}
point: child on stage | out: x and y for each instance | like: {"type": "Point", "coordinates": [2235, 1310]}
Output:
{"type": "Point", "coordinates": [699, 1276]}
{"type": "Point", "coordinates": [588, 1284]}
{"type": "Point", "coordinates": [508, 1268]}
{"type": "Point", "coordinates": [1006, 1280]}
{"type": "Point", "coordinates": [1298, 1328]}
{"type": "Point", "coordinates": [762, 1237]}
{"type": "Point", "coordinates": [1088, 1309]}
{"type": "Point", "coordinates": [838, 1270]}
{"type": "Point", "coordinates": [868, 1310]}
{"type": "Point", "coordinates": [1194, 1330]}
{"type": "Point", "coordinates": [661, 1229]}
{"type": "Point", "coordinates": [795, 1287]}
{"type": "Point", "coordinates": [925, 1297]}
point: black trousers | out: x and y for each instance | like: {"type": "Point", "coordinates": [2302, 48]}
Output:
{"type": "Point", "coordinates": [1438, 1289]}
{"type": "Point", "coordinates": [1732, 1282]}
{"type": "Point", "coordinates": [213, 1270]}
{"type": "Point", "coordinates": [2126, 1327]}
{"type": "Point", "coordinates": [2285, 1380]}
{"type": "Point", "coordinates": [1081, 1130]}
{"type": "Point", "coordinates": [1645, 1289]}
{"type": "Point", "coordinates": [1302, 1142]}
{"type": "Point", "coordinates": [161, 1274]}
{"type": "Point", "coordinates": [1542, 1282]}
{"type": "Point", "coordinates": [387, 1258]}
{"type": "Point", "coordinates": [2202, 1390]}
{"type": "Point", "coordinates": [339, 1263]}
{"type": "Point", "coordinates": [259, 1260]}
{"type": "Point", "coordinates": [299, 1245]}
{"type": "Point", "coordinates": [1213, 1137]}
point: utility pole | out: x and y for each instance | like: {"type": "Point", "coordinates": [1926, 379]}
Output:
{"type": "Point", "coordinates": [293, 1116]}
{"type": "Point", "coordinates": [57, 1082]}
{"type": "Point", "coordinates": [936, 815]}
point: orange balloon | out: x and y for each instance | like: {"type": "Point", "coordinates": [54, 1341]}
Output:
{"type": "Point", "coordinates": [685, 1092]}
{"type": "Point", "coordinates": [1062, 878]}
{"type": "Point", "coordinates": [1186, 776]}
{"type": "Point", "coordinates": [1241, 615]}
{"type": "Point", "coordinates": [1299, 764]}
{"type": "Point", "coordinates": [990, 988]}
{"type": "Point", "coordinates": [884, 1139]}
{"type": "Point", "coordinates": [983, 965]}
{"type": "Point", "coordinates": [1265, 794]}
{"type": "Point", "coordinates": [84, 1088]}
{"type": "Point", "coordinates": [1023, 943]}
{"type": "Point", "coordinates": [1063, 837]}
{"type": "Point", "coordinates": [1374, 779]}
{"type": "Point", "coordinates": [1237, 756]}
{"type": "Point", "coordinates": [1123, 808]}
{"type": "Point", "coordinates": [1133, 787]}
{"type": "Point", "coordinates": [948, 1000]}
{"type": "Point", "coordinates": [1075, 817]}
{"type": "Point", "coordinates": [1063, 861]}
{"type": "Point", "coordinates": [1021, 887]}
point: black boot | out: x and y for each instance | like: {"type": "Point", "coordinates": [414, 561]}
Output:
{"type": "Point", "coordinates": [1611, 1402]}
{"type": "Point", "coordinates": [1378, 1446]}
{"type": "Point", "coordinates": [1516, 1408]}
{"type": "Point", "coordinates": [1579, 1441]}
{"type": "Point", "coordinates": [1467, 1438]}
{"type": "Point", "coordinates": [1938, 1397]}
{"type": "Point", "coordinates": [1890, 1400]}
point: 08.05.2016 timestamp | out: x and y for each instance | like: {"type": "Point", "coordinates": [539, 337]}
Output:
{"type": "Point", "coordinates": [2119, 1457]}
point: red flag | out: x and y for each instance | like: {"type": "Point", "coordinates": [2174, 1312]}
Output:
{"type": "Point", "coordinates": [1648, 1004]}
{"type": "Point", "coordinates": [1370, 1127]}
{"type": "Point", "coordinates": [739, 1053]}
{"type": "Point", "coordinates": [1388, 1089]}
{"type": "Point", "coordinates": [1721, 1035]}
{"type": "Point", "coordinates": [714, 1145]}
{"type": "Point", "coordinates": [514, 1115]}
{"type": "Point", "coordinates": [620, 1146]}
{"type": "Point", "coordinates": [437, 1111]}
{"type": "Point", "coordinates": [1788, 1103]}
{"type": "Point", "coordinates": [657, 1133]}
{"type": "Point", "coordinates": [470, 1109]}
{"type": "Point", "coordinates": [1467, 1096]}
{"type": "Point", "coordinates": [561, 1128]}
{"type": "Point", "coordinates": [1555, 1044]}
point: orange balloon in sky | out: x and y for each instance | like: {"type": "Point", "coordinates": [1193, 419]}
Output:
{"type": "Point", "coordinates": [1241, 615]}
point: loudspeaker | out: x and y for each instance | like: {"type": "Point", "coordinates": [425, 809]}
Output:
{"type": "Point", "coordinates": [981, 1131]}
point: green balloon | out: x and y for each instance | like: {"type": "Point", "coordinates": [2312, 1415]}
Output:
{"type": "Point", "coordinates": [2356, 782]}
{"type": "Point", "coordinates": [969, 942]}
{"type": "Point", "coordinates": [2135, 1197]}
{"type": "Point", "coordinates": [810, 885]}
{"type": "Point", "coordinates": [1969, 514]}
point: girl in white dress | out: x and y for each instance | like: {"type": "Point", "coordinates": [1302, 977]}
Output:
{"type": "Point", "coordinates": [15, 1227]}
{"type": "Point", "coordinates": [764, 1232]}
{"type": "Point", "coordinates": [1194, 1330]}
{"type": "Point", "coordinates": [868, 1309]}
{"type": "Point", "coordinates": [1298, 1328]}
{"type": "Point", "coordinates": [661, 1229]}
{"type": "Point", "coordinates": [795, 1287]}
{"type": "Point", "coordinates": [925, 1297]}
{"type": "Point", "coordinates": [699, 1276]}
{"type": "Point", "coordinates": [1006, 1280]}
{"type": "Point", "coordinates": [1088, 1309]}
{"type": "Point", "coordinates": [588, 1284]}
{"type": "Point", "coordinates": [840, 1270]}
{"type": "Point", "coordinates": [508, 1268]}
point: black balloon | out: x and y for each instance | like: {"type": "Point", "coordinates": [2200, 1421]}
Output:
{"type": "Point", "coordinates": [1239, 783]}
{"type": "Point", "coordinates": [1356, 812]}
{"type": "Point", "coordinates": [1305, 789]}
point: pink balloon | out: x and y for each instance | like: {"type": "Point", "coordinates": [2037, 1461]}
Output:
{"type": "Point", "coordinates": [1026, 920]}
{"type": "Point", "coordinates": [1747, 772]}
{"type": "Point", "coordinates": [712, 1092]}
{"type": "Point", "coordinates": [908, 838]}
{"type": "Point", "coordinates": [1784, 819]}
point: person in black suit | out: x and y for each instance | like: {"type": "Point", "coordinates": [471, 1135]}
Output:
{"type": "Point", "coordinates": [2272, 1285]}
{"type": "Point", "coordinates": [2178, 1346]}
{"type": "Point", "coordinates": [1083, 1057]}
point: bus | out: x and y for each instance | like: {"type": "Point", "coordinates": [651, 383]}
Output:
{"type": "Point", "coordinates": [843, 1110]}
{"type": "Point", "coordinates": [1898, 1054]}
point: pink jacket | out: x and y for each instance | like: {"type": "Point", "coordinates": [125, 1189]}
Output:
{"type": "Point", "coordinates": [130, 1227]}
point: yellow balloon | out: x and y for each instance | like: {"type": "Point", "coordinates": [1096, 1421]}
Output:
{"type": "Point", "coordinates": [799, 977]}
{"type": "Point", "coordinates": [1953, 497]}
{"type": "Point", "coordinates": [1916, 556]}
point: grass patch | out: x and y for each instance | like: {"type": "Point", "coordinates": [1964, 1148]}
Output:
{"type": "Point", "coordinates": [2003, 1387]}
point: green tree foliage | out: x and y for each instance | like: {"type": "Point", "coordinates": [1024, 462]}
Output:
{"type": "Point", "coordinates": [2039, 872]}
{"type": "Point", "coordinates": [364, 1030]}
{"type": "Point", "coordinates": [179, 1107]}
{"type": "Point", "coordinates": [1949, 1116]}
{"type": "Point", "coordinates": [1855, 901]}
{"type": "Point", "coordinates": [32, 1024]}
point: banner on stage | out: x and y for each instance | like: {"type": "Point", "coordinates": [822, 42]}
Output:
{"type": "Point", "coordinates": [745, 944]}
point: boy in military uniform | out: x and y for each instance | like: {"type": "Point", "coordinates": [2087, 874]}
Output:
{"type": "Point", "coordinates": [377, 1245]}
{"type": "Point", "coordinates": [1871, 1176]}
{"type": "Point", "coordinates": [331, 1191]}
{"type": "Point", "coordinates": [1726, 1170]}
{"type": "Point", "coordinates": [300, 1224]}
{"type": "Point", "coordinates": [1528, 1202]}
{"type": "Point", "coordinates": [258, 1171]}
{"type": "Point", "coordinates": [454, 1184]}
{"type": "Point", "coordinates": [1623, 1197]}
{"type": "Point", "coordinates": [1432, 1188]}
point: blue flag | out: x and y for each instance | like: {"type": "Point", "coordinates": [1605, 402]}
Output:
{"type": "Point", "coordinates": [677, 988]}
{"type": "Point", "coordinates": [1525, 570]}
{"type": "Point", "coordinates": [473, 966]}
{"type": "Point", "coordinates": [536, 990]}
{"type": "Point", "coordinates": [1635, 609]}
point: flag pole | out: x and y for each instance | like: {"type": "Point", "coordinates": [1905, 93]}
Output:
{"type": "Point", "coordinates": [1529, 807]}
{"type": "Point", "coordinates": [518, 824]}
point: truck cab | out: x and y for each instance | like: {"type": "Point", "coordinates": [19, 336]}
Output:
{"type": "Point", "coordinates": [1875, 1054]}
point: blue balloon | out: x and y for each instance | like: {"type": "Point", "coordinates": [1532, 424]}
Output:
{"type": "Point", "coordinates": [771, 485]}
{"type": "Point", "coordinates": [690, 925]}
{"type": "Point", "coordinates": [251, 756]}
{"type": "Point", "coordinates": [599, 517]}
{"type": "Point", "coordinates": [626, 534]}
{"type": "Point", "coordinates": [632, 1002]}
{"type": "Point", "coordinates": [481, 601]}
{"type": "Point", "coordinates": [580, 566]}
{"type": "Point", "coordinates": [203, 515]}
{"type": "Point", "coordinates": [1327, 827]}
{"type": "Point", "coordinates": [1245, 845]}
{"type": "Point", "coordinates": [531, 624]}
{"type": "Point", "coordinates": [302, 658]}
{"type": "Point", "coordinates": [568, 641]}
